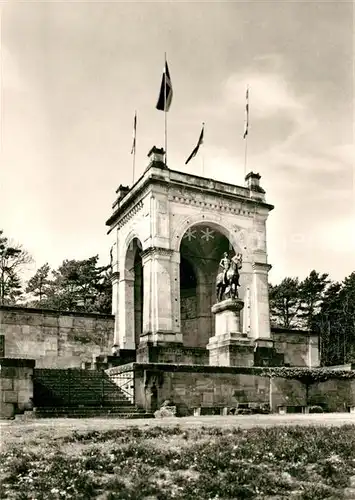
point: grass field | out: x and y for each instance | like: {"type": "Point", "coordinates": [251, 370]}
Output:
{"type": "Point", "coordinates": [271, 457]}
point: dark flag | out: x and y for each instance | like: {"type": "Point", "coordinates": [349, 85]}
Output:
{"type": "Point", "coordinates": [166, 91]}
{"type": "Point", "coordinates": [200, 141]}
{"type": "Point", "coordinates": [133, 150]}
{"type": "Point", "coordinates": [246, 122]}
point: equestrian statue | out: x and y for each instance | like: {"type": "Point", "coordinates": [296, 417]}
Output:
{"type": "Point", "coordinates": [228, 280]}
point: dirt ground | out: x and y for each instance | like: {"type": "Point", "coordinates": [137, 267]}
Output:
{"type": "Point", "coordinates": [11, 429]}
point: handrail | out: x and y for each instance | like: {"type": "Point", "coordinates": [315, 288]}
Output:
{"type": "Point", "coordinates": [122, 381]}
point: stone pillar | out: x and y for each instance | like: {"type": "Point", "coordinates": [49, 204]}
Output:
{"type": "Point", "coordinates": [260, 318]}
{"type": "Point", "coordinates": [126, 314]}
{"type": "Point", "coordinates": [138, 304]}
{"type": "Point", "coordinates": [115, 278]}
{"type": "Point", "coordinates": [16, 386]}
{"type": "Point", "coordinates": [175, 294]}
{"type": "Point", "coordinates": [313, 351]}
{"type": "Point", "coordinates": [204, 302]}
{"type": "Point", "coordinates": [229, 346]}
{"type": "Point", "coordinates": [245, 279]}
{"type": "Point", "coordinates": [161, 304]}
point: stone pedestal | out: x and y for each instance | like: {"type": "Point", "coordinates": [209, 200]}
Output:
{"type": "Point", "coordinates": [229, 346]}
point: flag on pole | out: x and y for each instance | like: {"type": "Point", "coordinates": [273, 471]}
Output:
{"type": "Point", "coordinates": [166, 91]}
{"type": "Point", "coordinates": [133, 150]}
{"type": "Point", "coordinates": [246, 122]}
{"type": "Point", "coordinates": [200, 141]}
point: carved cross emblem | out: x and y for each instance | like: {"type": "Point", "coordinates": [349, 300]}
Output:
{"type": "Point", "coordinates": [190, 234]}
{"type": "Point", "coordinates": [207, 234]}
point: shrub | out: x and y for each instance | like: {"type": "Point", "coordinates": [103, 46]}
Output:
{"type": "Point", "coordinates": [171, 463]}
{"type": "Point", "coordinates": [315, 409]}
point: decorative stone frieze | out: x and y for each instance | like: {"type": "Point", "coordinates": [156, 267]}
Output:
{"type": "Point", "coordinates": [129, 215]}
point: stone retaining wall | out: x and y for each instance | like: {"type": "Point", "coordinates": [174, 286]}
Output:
{"type": "Point", "coordinates": [55, 339]}
{"type": "Point", "coordinates": [193, 386]}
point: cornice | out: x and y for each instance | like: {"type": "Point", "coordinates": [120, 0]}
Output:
{"type": "Point", "coordinates": [261, 266]}
{"type": "Point", "coordinates": [115, 276]}
{"type": "Point", "coordinates": [155, 179]}
{"type": "Point", "coordinates": [129, 214]}
{"type": "Point", "coordinates": [156, 250]}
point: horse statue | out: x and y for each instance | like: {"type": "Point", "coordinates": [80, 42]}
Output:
{"type": "Point", "coordinates": [228, 281]}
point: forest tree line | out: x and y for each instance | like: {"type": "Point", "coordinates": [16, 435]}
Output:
{"type": "Point", "coordinates": [320, 305]}
{"type": "Point", "coordinates": [315, 304]}
{"type": "Point", "coordinates": [76, 285]}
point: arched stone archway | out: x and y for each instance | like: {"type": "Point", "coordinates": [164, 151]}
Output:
{"type": "Point", "coordinates": [188, 300]}
{"type": "Point", "coordinates": [131, 285]}
{"type": "Point", "coordinates": [215, 222]}
{"type": "Point", "coordinates": [161, 209]}
{"type": "Point", "coordinates": [202, 247]}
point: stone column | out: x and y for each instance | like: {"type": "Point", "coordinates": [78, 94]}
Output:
{"type": "Point", "coordinates": [260, 319]}
{"type": "Point", "coordinates": [115, 278]}
{"type": "Point", "coordinates": [246, 276]}
{"type": "Point", "coordinates": [204, 291]}
{"type": "Point", "coordinates": [313, 351]}
{"type": "Point", "coordinates": [161, 304]}
{"type": "Point", "coordinates": [126, 314]}
{"type": "Point", "coordinates": [138, 305]}
{"type": "Point", "coordinates": [175, 292]}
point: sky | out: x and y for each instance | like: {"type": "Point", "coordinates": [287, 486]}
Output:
{"type": "Point", "coordinates": [73, 74]}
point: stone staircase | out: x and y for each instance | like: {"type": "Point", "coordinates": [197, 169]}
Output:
{"type": "Point", "coordinates": [76, 393]}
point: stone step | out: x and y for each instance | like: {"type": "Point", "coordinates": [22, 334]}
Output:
{"type": "Point", "coordinates": [66, 412]}
{"type": "Point", "coordinates": [87, 409]}
{"type": "Point", "coordinates": [75, 386]}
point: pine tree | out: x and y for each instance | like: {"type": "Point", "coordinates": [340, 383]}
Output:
{"type": "Point", "coordinates": [79, 285]}
{"type": "Point", "coordinates": [285, 302]}
{"type": "Point", "coordinates": [312, 290]}
{"type": "Point", "coordinates": [38, 285]}
{"type": "Point", "coordinates": [13, 259]}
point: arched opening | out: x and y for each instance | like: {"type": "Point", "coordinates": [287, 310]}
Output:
{"type": "Point", "coordinates": [201, 251]}
{"type": "Point", "coordinates": [188, 300]}
{"type": "Point", "coordinates": [134, 290]}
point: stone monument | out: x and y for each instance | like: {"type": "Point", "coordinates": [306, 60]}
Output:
{"type": "Point", "coordinates": [174, 237]}
{"type": "Point", "coordinates": [229, 346]}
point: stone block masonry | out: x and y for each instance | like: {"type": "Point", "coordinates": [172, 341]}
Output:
{"type": "Point", "coordinates": [55, 339]}
{"type": "Point", "coordinates": [68, 339]}
{"type": "Point", "coordinates": [16, 386]}
{"type": "Point", "coordinates": [193, 386]}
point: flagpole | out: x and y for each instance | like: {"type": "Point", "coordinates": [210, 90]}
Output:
{"type": "Point", "coordinates": [203, 153]}
{"type": "Point", "coordinates": [203, 162]}
{"type": "Point", "coordinates": [245, 156]}
{"type": "Point", "coordinates": [135, 145]}
{"type": "Point", "coordinates": [246, 131]}
{"type": "Point", "coordinates": [166, 115]}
